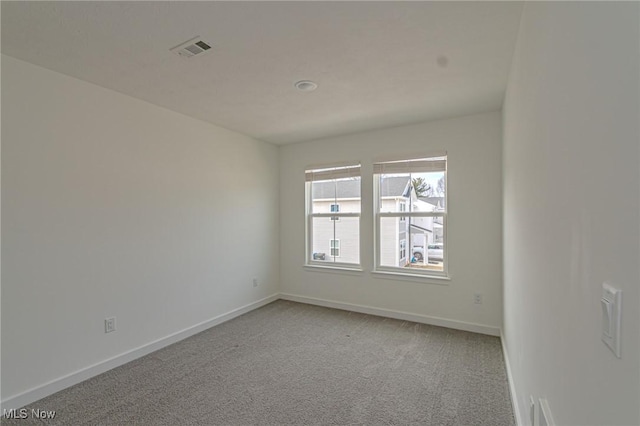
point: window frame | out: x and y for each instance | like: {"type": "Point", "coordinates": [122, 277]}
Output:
{"type": "Point", "coordinates": [377, 219]}
{"type": "Point", "coordinates": [335, 216]}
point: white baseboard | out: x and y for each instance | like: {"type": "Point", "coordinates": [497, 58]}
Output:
{"type": "Point", "coordinates": [512, 387]}
{"type": "Point", "coordinates": [388, 313]}
{"type": "Point", "coordinates": [46, 389]}
{"type": "Point", "coordinates": [39, 392]}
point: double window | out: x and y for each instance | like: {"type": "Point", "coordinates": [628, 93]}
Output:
{"type": "Point", "coordinates": [333, 215]}
{"type": "Point", "coordinates": [410, 216]}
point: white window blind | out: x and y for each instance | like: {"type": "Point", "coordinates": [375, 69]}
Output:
{"type": "Point", "coordinates": [341, 172]}
{"type": "Point", "coordinates": [422, 165]}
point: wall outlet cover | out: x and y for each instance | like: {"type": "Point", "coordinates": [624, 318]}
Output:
{"type": "Point", "coordinates": [109, 325]}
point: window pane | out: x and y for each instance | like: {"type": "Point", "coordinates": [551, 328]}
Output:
{"type": "Point", "coordinates": [336, 240]}
{"type": "Point", "coordinates": [392, 231]}
{"type": "Point", "coordinates": [336, 195]}
{"type": "Point", "coordinates": [412, 192]}
{"type": "Point", "coordinates": [394, 192]}
{"type": "Point", "coordinates": [419, 239]}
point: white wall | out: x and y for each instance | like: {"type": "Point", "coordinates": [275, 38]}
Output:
{"type": "Point", "coordinates": [571, 209]}
{"type": "Point", "coordinates": [115, 207]}
{"type": "Point", "coordinates": [475, 233]}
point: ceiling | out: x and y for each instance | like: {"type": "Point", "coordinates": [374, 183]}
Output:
{"type": "Point", "coordinates": [377, 64]}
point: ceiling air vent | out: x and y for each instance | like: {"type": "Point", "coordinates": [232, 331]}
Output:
{"type": "Point", "coordinates": [193, 47]}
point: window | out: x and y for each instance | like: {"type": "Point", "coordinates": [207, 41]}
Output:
{"type": "Point", "coordinates": [335, 208]}
{"type": "Point", "coordinates": [411, 214]}
{"type": "Point", "coordinates": [335, 248]}
{"type": "Point", "coordinates": [333, 216]}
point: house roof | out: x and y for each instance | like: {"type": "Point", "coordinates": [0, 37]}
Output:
{"type": "Point", "coordinates": [415, 229]}
{"type": "Point", "coordinates": [390, 187]}
{"type": "Point", "coordinates": [393, 186]}
{"type": "Point", "coordinates": [434, 201]}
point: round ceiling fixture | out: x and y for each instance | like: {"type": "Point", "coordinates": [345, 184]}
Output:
{"type": "Point", "coordinates": [306, 85]}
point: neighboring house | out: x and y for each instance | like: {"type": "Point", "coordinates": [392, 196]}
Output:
{"type": "Point", "coordinates": [338, 238]}
{"type": "Point", "coordinates": [438, 205]}
{"type": "Point", "coordinates": [343, 245]}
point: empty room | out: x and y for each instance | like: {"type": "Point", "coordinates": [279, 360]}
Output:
{"type": "Point", "coordinates": [300, 212]}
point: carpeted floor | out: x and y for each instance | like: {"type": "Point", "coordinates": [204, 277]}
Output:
{"type": "Point", "coordinates": [291, 363]}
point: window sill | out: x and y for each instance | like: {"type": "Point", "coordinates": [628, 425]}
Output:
{"type": "Point", "coordinates": [404, 276]}
{"type": "Point", "coordinates": [334, 269]}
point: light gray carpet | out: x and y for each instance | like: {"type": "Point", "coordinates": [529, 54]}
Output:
{"type": "Point", "coordinates": [291, 363]}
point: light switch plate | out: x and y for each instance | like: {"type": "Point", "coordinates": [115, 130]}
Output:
{"type": "Point", "coordinates": [109, 325]}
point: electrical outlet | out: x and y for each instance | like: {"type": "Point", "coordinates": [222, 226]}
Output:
{"type": "Point", "coordinates": [477, 299]}
{"type": "Point", "coordinates": [110, 324]}
{"type": "Point", "coordinates": [255, 282]}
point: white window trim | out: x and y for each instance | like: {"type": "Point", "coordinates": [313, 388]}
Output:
{"type": "Point", "coordinates": [401, 271]}
{"type": "Point", "coordinates": [334, 269]}
{"type": "Point", "coordinates": [398, 276]}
